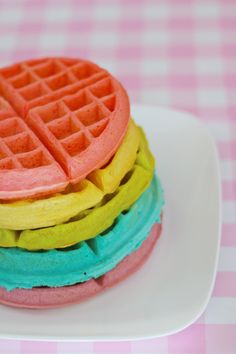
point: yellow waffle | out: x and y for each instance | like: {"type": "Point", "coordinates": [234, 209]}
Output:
{"type": "Point", "coordinates": [91, 222]}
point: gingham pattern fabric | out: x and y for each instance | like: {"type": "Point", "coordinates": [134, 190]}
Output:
{"type": "Point", "coordinates": [177, 53]}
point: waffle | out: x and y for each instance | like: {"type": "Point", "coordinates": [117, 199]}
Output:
{"type": "Point", "coordinates": [91, 222]}
{"type": "Point", "coordinates": [89, 192]}
{"type": "Point", "coordinates": [54, 297]}
{"type": "Point", "coordinates": [84, 260]}
{"type": "Point", "coordinates": [78, 111]}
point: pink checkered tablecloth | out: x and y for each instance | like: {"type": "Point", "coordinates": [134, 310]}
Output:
{"type": "Point", "coordinates": [177, 53]}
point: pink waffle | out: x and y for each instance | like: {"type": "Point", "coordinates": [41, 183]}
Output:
{"type": "Point", "coordinates": [78, 111]}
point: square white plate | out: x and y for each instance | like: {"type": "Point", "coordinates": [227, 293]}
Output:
{"type": "Point", "coordinates": [172, 289]}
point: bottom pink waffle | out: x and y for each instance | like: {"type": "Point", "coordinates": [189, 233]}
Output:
{"type": "Point", "coordinates": [55, 297]}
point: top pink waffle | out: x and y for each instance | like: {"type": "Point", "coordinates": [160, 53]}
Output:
{"type": "Point", "coordinates": [60, 119]}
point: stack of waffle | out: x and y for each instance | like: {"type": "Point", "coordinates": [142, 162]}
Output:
{"type": "Point", "coordinates": [80, 205]}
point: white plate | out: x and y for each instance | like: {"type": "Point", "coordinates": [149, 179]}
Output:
{"type": "Point", "coordinates": [172, 289]}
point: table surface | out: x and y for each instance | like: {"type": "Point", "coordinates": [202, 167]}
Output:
{"type": "Point", "coordinates": [176, 53]}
